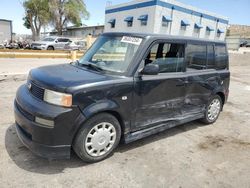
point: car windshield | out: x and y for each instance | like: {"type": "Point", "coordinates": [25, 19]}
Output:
{"type": "Point", "coordinates": [48, 39]}
{"type": "Point", "coordinates": [113, 54]}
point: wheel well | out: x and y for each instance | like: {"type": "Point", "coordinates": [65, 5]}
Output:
{"type": "Point", "coordinates": [113, 113]}
{"type": "Point", "coordinates": [118, 117]}
{"type": "Point", "coordinates": [50, 47]}
{"type": "Point", "coordinates": [222, 96]}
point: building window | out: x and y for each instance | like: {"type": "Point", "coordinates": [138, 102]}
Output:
{"type": "Point", "coordinates": [143, 19]}
{"type": "Point", "coordinates": [129, 24]}
{"type": "Point", "coordinates": [219, 32]}
{"type": "Point", "coordinates": [166, 20]}
{"type": "Point", "coordinates": [183, 28]}
{"type": "Point", "coordinates": [144, 23]}
{"type": "Point", "coordinates": [165, 24]}
{"type": "Point", "coordinates": [196, 33]}
{"type": "Point", "coordinates": [209, 30]}
{"type": "Point", "coordinates": [184, 24]}
{"type": "Point", "coordinates": [129, 21]}
{"type": "Point", "coordinates": [198, 26]}
{"type": "Point", "coordinates": [112, 23]}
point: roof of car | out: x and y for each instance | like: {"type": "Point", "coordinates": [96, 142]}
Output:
{"type": "Point", "coordinates": [54, 37]}
{"type": "Point", "coordinates": [161, 36]}
{"type": "Point", "coordinates": [50, 37]}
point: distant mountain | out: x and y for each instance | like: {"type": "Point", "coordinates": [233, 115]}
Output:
{"type": "Point", "coordinates": [239, 30]}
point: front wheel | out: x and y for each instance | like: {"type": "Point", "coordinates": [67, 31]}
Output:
{"type": "Point", "coordinates": [213, 110]}
{"type": "Point", "coordinates": [97, 138]}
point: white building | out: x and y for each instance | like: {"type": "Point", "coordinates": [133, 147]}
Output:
{"type": "Point", "coordinates": [165, 17]}
{"type": "Point", "coordinates": [5, 30]}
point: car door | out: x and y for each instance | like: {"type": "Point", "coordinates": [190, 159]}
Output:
{"type": "Point", "coordinates": [61, 42]}
{"type": "Point", "coordinates": [57, 44]}
{"type": "Point", "coordinates": [159, 98]}
{"type": "Point", "coordinates": [202, 76]}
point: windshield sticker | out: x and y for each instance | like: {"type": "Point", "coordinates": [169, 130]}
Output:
{"type": "Point", "coordinates": [131, 40]}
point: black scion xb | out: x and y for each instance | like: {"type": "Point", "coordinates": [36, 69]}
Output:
{"type": "Point", "coordinates": [126, 86]}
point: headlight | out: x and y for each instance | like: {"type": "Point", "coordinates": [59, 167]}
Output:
{"type": "Point", "coordinates": [57, 98]}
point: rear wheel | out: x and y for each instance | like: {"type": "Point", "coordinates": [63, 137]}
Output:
{"type": "Point", "coordinates": [50, 48]}
{"type": "Point", "coordinates": [213, 110]}
{"type": "Point", "coordinates": [97, 138]}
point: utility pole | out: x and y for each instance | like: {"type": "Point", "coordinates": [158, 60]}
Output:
{"type": "Point", "coordinates": [172, 15]}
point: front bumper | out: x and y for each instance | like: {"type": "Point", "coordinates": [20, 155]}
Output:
{"type": "Point", "coordinates": [45, 151]}
{"type": "Point", "coordinates": [52, 143]}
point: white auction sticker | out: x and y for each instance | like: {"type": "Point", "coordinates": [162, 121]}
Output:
{"type": "Point", "coordinates": [131, 40]}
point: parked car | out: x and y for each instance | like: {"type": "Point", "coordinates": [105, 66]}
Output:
{"type": "Point", "coordinates": [76, 45]}
{"type": "Point", "coordinates": [247, 45]}
{"type": "Point", "coordinates": [243, 44]}
{"type": "Point", "coordinates": [50, 43]}
{"type": "Point", "coordinates": [2, 46]}
{"type": "Point", "coordinates": [93, 104]}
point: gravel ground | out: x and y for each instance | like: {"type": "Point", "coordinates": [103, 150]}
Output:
{"type": "Point", "coordinates": [190, 155]}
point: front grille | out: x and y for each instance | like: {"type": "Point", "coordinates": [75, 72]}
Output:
{"type": "Point", "coordinates": [36, 91]}
{"type": "Point", "coordinates": [25, 113]}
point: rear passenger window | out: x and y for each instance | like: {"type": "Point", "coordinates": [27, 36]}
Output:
{"type": "Point", "coordinates": [196, 56]}
{"type": "Point", "coordinates": [221, 57]}
{"type": "Point", "coordinates": [63, 40]}
{"type": "Point", "coordinates": [210, 57]}
{"type": "Point", "coordinates": [169, 57]}
{"type": "Point", "coordinates": [60, 40]}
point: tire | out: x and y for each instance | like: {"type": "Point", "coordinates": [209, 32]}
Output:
{"type": "Point", "coordinates": [213, 110]}
{"type": "Point", "coordinates": [50, 48]}
{"type": "Point", "coordinates": [97, 138]}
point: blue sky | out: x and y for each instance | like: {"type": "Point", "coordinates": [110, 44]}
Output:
{"type": "Point", "coordinates": [236, 10]}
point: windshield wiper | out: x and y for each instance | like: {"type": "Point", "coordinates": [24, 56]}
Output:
{"type": "Point", "coordinates": [92, 66]}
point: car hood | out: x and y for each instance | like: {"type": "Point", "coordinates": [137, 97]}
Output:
{"type": "Point", "coordinates": [63, 76]}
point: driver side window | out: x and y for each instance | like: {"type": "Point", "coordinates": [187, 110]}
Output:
{"type": "Point", "coordinates": [169, 57]}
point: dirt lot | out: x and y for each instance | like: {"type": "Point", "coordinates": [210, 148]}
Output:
{"type": "Point", "coordinates": [191, 155]}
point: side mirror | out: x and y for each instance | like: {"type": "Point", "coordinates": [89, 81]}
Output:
{"type": "Point", "coordinates": [151, 69]}
{"type": "Point", "coordinates": [56, 41]}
